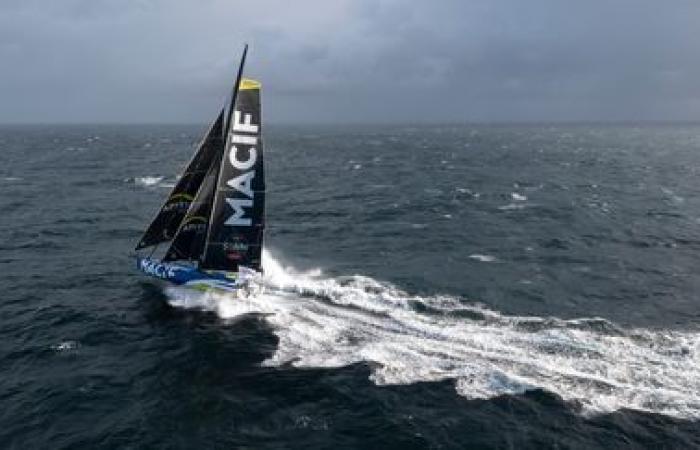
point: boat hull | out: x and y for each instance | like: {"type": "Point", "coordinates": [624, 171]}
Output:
{"type": "Point", "coordinates": [190, 277]}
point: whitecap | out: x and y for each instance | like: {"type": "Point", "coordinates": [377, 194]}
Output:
{"type": "Point", "coordinates": [65, 346]}
{"type": "Point", "coordinates": [148, 180]}
{"type": "Point", "coordinates": [483, 258]}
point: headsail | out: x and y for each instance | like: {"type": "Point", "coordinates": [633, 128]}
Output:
{"type": "Point", "coordinates": [170, 216]}
{"type": "Point", "coordinates": [191, 235]}
{"type": "Point", "coordinates": [237, 220]}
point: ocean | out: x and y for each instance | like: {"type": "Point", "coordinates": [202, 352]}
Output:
{"type": "Point", "coordinates": [427, 287]}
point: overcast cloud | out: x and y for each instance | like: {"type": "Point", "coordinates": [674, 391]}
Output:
{"type": "Point", "coordinates": [351, 60]}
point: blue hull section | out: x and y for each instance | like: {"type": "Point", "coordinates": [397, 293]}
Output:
{"type": "Point", "coordinates": [189, 276]}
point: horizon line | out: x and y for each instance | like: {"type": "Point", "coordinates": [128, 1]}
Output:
{"type": "Point", "coordinates": [374, 124]}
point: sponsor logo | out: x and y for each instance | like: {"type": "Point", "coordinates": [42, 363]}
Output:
{"type": "Point", "coordinates": [194, 224]}
{"type": "Point", "coordinates": [157, 269]}
{"type": "Point", "coordinates": [194, 228]}
{"type": "Point", "coordinates": [242, 156]}
{"type": "Point", "coordinates": [235, 251]}
{"type": "Point", "coordinates": [178, 202]}
{"type": "Point", "coordinates": [176, 206]}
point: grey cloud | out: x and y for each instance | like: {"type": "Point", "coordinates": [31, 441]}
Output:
{"type": "Point", "coordinates": [351, 60]}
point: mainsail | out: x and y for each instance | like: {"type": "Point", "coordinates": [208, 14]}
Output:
{"type": "Point", "coordinates": [237, 220]}
{"type": "Point", "coordinates": [170, 216]}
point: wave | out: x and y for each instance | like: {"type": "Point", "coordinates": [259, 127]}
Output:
{"type": "Point", "coordinates": [332, 322]}
{"type": "Point", "coordinates": [148, 181]}
{"type": "Point", "coordinates": [65, 346]}
{"type": "Point", "coordinates": [151, 181]}
{"type": "Point", "coordinates": [512, 206]}
{"type": "Point", "coordinates": [483, 258]}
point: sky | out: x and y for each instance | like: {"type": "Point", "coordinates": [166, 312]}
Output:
{"type": "Point", "coordinates": [351, 61]}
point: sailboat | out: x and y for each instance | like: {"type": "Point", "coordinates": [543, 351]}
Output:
{"type": "Point", "coordinates": [214, 217]}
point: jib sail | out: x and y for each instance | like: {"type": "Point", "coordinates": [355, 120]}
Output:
{"type": "Point", "coordinates": [191, 235]}
{"type": "Point", "coordinates": [235, 234]}
{"type": "Point", "coordinates": [170, 216]}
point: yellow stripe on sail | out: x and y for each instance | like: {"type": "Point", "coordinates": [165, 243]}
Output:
{"type": "Point", "coordinates": [249, 84]}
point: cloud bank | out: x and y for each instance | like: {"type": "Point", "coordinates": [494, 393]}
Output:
{"type": "Point", "coordinates": [351, 60]}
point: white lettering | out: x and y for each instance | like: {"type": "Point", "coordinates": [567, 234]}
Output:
{"type": "Point", "coordinates": [157, 270]}
{"type": "Point", "coordinates": [242, 183]}
{"type": "Point", "coordinates": [245, 126]}
{"type": "Point", "coordinates": [243, 139]}
{"type": "Point", "coordinates": [242, 165]}
{"type": "Point", "coordinates": [242, 123]}
{"type": "Point", "coordinates": [237, 219]}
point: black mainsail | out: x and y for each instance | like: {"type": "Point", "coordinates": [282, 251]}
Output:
{"type": "Point", "coordinates": [173, 211]}
{"type": "Point", "coordinates": [237, 222]}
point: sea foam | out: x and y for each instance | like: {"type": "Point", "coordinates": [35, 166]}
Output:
{"type": "Point", "coordinates": [332, 322]}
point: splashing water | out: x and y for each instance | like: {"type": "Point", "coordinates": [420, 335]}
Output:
{"type": "Point", "coordinates": [333, 322]}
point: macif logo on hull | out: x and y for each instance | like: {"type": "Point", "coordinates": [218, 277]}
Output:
{"type": "Point", "coordinates": [157, 269]}
{"type": "Point", "coordinates": [243, 156]}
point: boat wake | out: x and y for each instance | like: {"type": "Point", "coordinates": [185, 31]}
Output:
{"type": "Point", "coordinates": [333, 322]}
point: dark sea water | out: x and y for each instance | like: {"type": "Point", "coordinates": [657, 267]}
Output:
{"type": "Point", "coordinates": [425, 287]}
